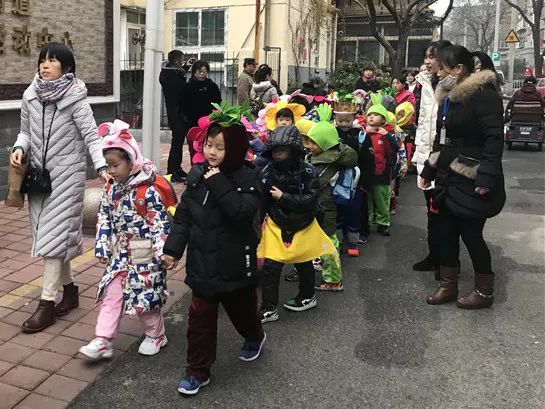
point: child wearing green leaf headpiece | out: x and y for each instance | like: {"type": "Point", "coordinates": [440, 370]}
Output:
{"type": "Point", "coordinates": [215, 222]}
{"type": "Point", "coordinates": [328, 155]}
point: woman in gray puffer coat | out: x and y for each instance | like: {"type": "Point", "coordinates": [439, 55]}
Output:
{"type": "Point", "coordinates": [57, 128]}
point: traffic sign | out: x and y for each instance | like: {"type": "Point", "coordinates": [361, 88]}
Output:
{"type": "Point", "coordinates": [496, 59]}
{"type": "Point", "coordinates": [512, 37]}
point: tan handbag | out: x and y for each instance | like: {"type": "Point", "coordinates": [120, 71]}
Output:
{"type": "Point", "coordinates": [16, 177]}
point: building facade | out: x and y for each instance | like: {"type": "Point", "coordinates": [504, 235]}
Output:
{"type": "Point", "coordinates": [223, 33]}
{"type": "Point", "coordinates": [90, 28]}
{"type": "Point", "coordinates": [355, 41]}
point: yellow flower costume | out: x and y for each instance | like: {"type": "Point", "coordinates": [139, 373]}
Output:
{"type": "Point", "coordinates": [270, 113]}
{"type": "Point", "coordinates": [307, 244]}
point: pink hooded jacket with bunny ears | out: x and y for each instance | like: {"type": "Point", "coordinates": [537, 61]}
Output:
{"type": "Point", "coordinates": [116, 135]}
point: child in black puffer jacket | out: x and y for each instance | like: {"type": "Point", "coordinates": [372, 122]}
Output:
{"type": "Point", "coordinates": [217, 220]}
{"type": "Point", "coordinates": [291, 233]}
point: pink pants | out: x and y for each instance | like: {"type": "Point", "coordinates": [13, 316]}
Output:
{"type": "Point", "coordinates": [111, 311]}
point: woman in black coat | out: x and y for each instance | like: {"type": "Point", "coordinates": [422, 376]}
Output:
{"type": "Point", "coordinates": [467, 168]}
{"type": "Point", "coordinates": [198, 96]}
{"type": "Point", "coordinates": [217, 220]}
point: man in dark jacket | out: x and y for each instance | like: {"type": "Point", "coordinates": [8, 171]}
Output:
{"type": "Point", "coordinates": [528, 93]}
{"type": "Point", "coordinates": [246, 80]}
{"type": "Point", "coordinates": [368, 81]}
{"type": "Point", "coordinates": [172, 79]}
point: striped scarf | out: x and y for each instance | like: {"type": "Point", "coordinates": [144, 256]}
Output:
{"type": "Point", "coordinates": [52, 91]}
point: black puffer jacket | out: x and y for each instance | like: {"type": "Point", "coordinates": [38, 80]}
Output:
{"type": "Point", "coordinates": [366, 157]}
{"type": "Point", "coordinates": [296, 178]}
{"type": "Point", "coordinates": [217, 220]}
{"type": "Point", "coordinates": [472, 154]}
{"type": "Point", "coordinates": [197, 99]}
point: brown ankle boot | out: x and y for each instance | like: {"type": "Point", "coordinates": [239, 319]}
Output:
{"type": "Point", "coordinates": [482, 295]}
{"type": "Point", "coordinates": [43, 317]}
{"type": "Point", "coordinates": [448, 287]}
{"type": "Point", "coordinates": [70, 300]}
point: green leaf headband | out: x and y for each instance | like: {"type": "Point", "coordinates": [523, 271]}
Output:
{"type": "Point", "coordinates": [228, 115]}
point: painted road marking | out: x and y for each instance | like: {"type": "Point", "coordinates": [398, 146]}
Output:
{"type": "Point", "coordinates": [24, 290]}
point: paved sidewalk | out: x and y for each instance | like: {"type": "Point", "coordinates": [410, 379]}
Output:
{"type": "Point", "coordinates": [45, 370]}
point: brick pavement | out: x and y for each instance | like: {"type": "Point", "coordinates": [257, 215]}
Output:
{"type": "Point", "coordinates": [45, 370]}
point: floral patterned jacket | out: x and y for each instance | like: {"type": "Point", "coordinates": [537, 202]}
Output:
{"type": "Point", "coordinates": [133, 244]}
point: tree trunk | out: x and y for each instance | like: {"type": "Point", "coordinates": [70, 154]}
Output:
{"type": "Point", "coordinates": [538, 59]}
{"type": "Point", "coordinates": [399, 63]}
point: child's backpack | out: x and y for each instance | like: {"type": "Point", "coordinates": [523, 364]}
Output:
{"type": "Point", "coordinates": [161, 186]}
{"type": "Point", "coordinates": [256, 104]}
{"type": "Point", "coordinates": [344, 188]}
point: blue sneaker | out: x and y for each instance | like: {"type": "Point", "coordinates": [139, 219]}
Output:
{"type": "Point", "coordinates": [363, 239]}
{"type": "Point", "coordinates": [190, 385]}
{"type": "Point", "coordinates": [250, 351]}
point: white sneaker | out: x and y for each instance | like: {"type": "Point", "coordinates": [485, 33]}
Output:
{"type": "Point", "coordinates": [98, 348]}
{"type": "Point", "coordinates": [152, 346]}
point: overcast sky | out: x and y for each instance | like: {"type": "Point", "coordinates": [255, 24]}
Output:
{"type": "Point", "coordinates": [440, 7]}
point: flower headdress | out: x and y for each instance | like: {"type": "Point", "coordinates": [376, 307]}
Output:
{"type": "Point", "coordinates": [271, 110]}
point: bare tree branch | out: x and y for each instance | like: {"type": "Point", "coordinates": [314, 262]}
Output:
{"type": "Point", "coordinates": [522, 13]}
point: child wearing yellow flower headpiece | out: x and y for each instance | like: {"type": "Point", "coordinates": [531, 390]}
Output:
{"type": "Point", "coordinates": [271, 111]}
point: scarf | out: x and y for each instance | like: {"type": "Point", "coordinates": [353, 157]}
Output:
{"type": "Point", "coordinates": [444, 87]}
{"type": "Point", "coordinates": [52, 91]}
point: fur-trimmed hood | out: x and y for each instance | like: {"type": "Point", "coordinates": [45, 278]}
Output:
{"type": "Point", "coordinates": [475, 82]}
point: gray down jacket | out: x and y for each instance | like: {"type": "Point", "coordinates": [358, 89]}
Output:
{"type": "Point", "coordinates": [56, 219]}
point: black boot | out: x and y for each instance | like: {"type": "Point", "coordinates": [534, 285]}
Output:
{"type": "Point", "coordinates": [43, 317]}
{"type": "Point", "coordinates": [70, 300]}
{"type": "Point", "coordinates": [427, 264]}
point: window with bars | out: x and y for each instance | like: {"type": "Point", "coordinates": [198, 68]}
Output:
{"type": "Point", "coordinates": [200, 28]}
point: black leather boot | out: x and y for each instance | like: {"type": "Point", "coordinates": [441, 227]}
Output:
{"type": "Point", "coordinates": [43, 317]}
{"type": "Point", "coordinates": [70, 300]}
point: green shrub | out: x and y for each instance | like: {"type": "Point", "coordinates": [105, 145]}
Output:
{"type": "Point", "coordinates": [347, 73]}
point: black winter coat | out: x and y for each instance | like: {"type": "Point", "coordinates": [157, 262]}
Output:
{"type": "Point", "coordinates": [173, 83]}
{"type": "Point", "coordinates": [366, 157]}
{"type": "Point", "coordinates": [217, 220]}
{"type": "Point", "coordinates": [368, 86]}
{"type": "Point", "coordinates": [298, 205]}
{"type": "Point", "coordinates": [472, 154]}
{"type": "Point", "coordinates": [197, 99]}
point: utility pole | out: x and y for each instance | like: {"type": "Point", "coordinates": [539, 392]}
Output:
{"type": "Point", "coordinates": [256, 38]}
{"type": "Point", "coordinates": [497, 28]}
{"type": "Point", "coordinates": [153, 56]}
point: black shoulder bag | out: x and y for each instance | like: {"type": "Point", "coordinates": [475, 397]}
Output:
{"type": "Point", "coordinates": [38, 179]}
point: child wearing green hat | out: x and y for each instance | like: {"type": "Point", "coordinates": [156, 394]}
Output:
{"type": "Point", "coordinates": [385, 148]}
{"type": "Point", "coordinates": [328, 155]}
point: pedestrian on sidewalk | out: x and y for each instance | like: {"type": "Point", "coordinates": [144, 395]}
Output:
{"type": "Point", "coordinates": [217, 220]}
{"type": "Point", "coordinates": [246, 80]}
{"type": "Point", "coordinates": [291, 233]}
{"type": "Point", "coordinates": [173, 82]}
{"type": "Point", "coordinates": [431, 91]}
{"type": "Point", "coordinates": [329, 156]}
{"type": "Point", "coordinates": [466, 166]}
{"type": "Point", "coordinates": [198, 96]}
{"type": "Point", "coordinates": [129, 240]}
{"type": "Point", "coordinates": [57, 130]}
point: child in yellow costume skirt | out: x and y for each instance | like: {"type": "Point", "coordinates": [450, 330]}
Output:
{"type": "Point", "coordinates": [290, 231]}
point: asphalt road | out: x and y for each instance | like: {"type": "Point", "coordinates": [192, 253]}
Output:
{"type": "Point", "coordinates": [378, 344]}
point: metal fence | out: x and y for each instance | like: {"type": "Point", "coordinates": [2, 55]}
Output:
{"type": "Point", "coordinates": [224, 71]}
